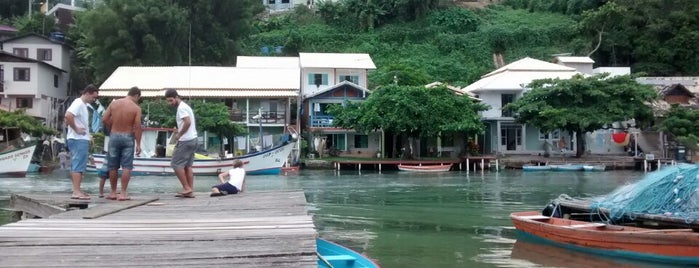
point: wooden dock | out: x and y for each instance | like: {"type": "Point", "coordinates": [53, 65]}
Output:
{"type": "Point", "coordinates": [254, 229]}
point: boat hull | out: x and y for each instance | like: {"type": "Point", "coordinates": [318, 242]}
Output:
{"type": "Point", "coordinates": [426, 168]}
{"type": "Point", "coordinates": [678, 246]}
{"type": "Point", "coordinates": [15, 163]}
{"type": "Point", "coordinates": [268, 162]}
{"type": "Point", "coordinates": [535, 168]}
{"type": "Point", "coordinates": [340, 257]}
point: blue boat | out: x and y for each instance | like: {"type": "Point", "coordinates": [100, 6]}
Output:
{"type": "Point", "coordinates": [567, 167]}
{"type": "Point", "coordinates": [535, 168]}
{"type": "Point", "coordinates": [331, 255]}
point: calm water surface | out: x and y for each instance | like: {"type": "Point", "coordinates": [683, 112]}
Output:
{"type": "Point", "coordinates": [451, 219]}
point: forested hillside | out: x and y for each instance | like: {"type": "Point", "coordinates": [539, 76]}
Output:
{"type": "Point", "coordinates": [417, 41]}
{"type": "Point", "coordinates": [445, 42]}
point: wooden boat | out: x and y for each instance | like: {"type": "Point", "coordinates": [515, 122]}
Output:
{"type": "Point", "coordinates": [425, 168]}
{"type": "Point", "coordinates": [675, 246]}
{"type": "Point", "coordinates": [15, 159]}
{"type": "Point", "coordinates": [158, 143]}
{"type": "Point", "coordinates": [567, 167]}
{"type": "Point", "coordinates": [547, 255]}
{"type": "Point", "coordinates": [337, 256]}
{"type": "Point", "coordinates": [594, 167]}
{"type": "Point", "coordinates": [264, 162]}
{"type": "Point", "coordinates": [536, 168]}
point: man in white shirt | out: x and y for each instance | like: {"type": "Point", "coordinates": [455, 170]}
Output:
{"type": "Point", "coordinates": [186, 136]}
{"type": "Point", "coordinates": [78, 138]}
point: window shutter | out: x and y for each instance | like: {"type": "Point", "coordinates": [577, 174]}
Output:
{"type": "Point", "coordinates": [325, 79]}
{"type": "Point", "coordinates": [311, 78]}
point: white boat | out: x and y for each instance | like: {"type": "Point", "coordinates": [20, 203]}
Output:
{"type": "Point", "coordinates": [567, 167]}
{"type": "Point", "coordinates": [425, 168]}
{"type": "Point", "coordinates": [14, 160]}
{"type": "Point", "coordinates": [594, 167]}
{"type": "Point", "coordinates": [268, 161]}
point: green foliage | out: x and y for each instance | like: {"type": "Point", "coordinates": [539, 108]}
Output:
{"type": "Point", "coordinates": [455, 20]}
{"type": "Point", "coordinates": [37, 23]}
{"type": "Point", "coordinates": [557, 6]}
{"type": "Point", "coordinates": [26, 123]}
{"type": "Point", "coordinates": [657, 37]}
{"type": "Point", "coordinates": [583, 104]}
{"type": "Point", "coordinates": [153, 32]}
{"type": "Point", "coordinates": [213, 116]}
{"type": "Point", "coordinates": [683, 123]}
{"type": "Point", "coordinates": [432, 112]}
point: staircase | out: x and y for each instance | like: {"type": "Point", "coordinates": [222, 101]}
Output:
{"type": "Point", "coordinates": [649, 142]}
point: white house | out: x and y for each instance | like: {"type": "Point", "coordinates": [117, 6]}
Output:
{"type": "Point", "coordinates": [246, 91]}
{"type": "Point", "coordinates": [507, 84]}
{"type": "Point", "coordinates": [35, 76]}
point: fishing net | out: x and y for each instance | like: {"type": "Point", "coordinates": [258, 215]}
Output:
{"type": "Point", "coordinates": [672, 191]}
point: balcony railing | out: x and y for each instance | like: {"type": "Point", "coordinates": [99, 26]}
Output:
{"type": "Point", "coordinates": [267, 117]}
{"type": "Point", "coordinates": [321, 121]}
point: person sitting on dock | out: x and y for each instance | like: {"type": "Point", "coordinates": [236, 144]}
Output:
{"type": "Point", "coordinates": [235, 183]}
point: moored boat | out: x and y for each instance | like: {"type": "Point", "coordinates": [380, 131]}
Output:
{"type": "Point", "coordinates": [567, 167]}
{"type": "Point", "coordinates": [264, 162]}
{"type": "Point", "coordinates": [675, 246]}
{"type": "Point", "coordinates": [594, 167]}
{"type": "Point", "coordinates": [425, 168]}
{"type": "Point", "coordinates": [157, 145]}
{"type": "Point", "coordinates": [15, 159]}
{"type": "Point", "coordinates": [337, 256]}
{"type": "Point", "coordinates": [536, 168]}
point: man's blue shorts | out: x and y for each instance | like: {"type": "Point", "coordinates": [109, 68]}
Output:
{"type": "Point", "coordinates": [78, 154]}
{"type": "Point", "coordinates": [121, 150]}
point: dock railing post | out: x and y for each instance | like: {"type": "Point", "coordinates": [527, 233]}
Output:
{"type": "Point", "coordinates": [468, 165]}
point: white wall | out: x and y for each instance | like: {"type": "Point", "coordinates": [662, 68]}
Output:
{"type": "Point", "coordinates": [308, 88]}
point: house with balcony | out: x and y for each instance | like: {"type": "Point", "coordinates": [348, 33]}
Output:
{"type": "Point", "coordinates": [284, 5]}
{"type": "Point", "coordinates": [328, 79]}
{"type": "Point", "coordinates": [34, 75]}
{"type": "Point", "coordinates": [505, 85]}
{"type": "Point", "coordinates": [257, 97]}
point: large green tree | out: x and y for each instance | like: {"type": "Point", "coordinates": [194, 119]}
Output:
{"type": "Point", "coordinates": [653, 36]}
{"type": "Point", "coordinates": [154, 32]}
{"type": "Point", "coordinates": [412, 112]}
{"type": "Point", "coordinates": [583, 104]}
{"type": "Point", "coordinates": [683, 123]}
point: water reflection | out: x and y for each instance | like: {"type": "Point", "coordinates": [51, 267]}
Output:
{"type": "Point", "coordinates": [450, 219]}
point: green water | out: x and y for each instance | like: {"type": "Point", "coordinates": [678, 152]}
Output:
{"type": "Point", "coordinates": [451, 219]}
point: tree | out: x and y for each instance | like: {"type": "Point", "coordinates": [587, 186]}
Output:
{"type": "Point", "coordinates": [583, 104]}
{"type": "Point", "coordinates": [38, 23]}
{"type": "Point", "coordinates": [683, 123]}
{"type": "Point", "coordinates": [26, 123]}
{"type": "Point", "coordinates": [412, 112]}
{"type": "Point", "coordinates": [154, 32]}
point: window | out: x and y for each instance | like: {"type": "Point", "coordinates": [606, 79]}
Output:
{"type": "Point", "coordinates": [337, 141]}
{"type": "Point", "coordinates": [22, 52]}
{"type": "Point", "coordinates": [43, 54]}
{"type": "Point", "coordinates": [352, 78]}
{"type": "Point", "coordinates": [21, 74]}
{"type": "Point", "coordinates": [553, 135]}
{"type": "Point", "coordinates": [24, 103]}
{"type": "Point", "coordinates": [318, 79]}
{"type": "Point", "coordinates": [447, 140]}
{"type": "Point", "coordinates": [507, 99]}
{"type": "Point", "coordinates": [55, 80]}
{"type": "Point", "coordinates": [285, 1]}
{"type": "Point", "coordinates": [271, 2]}
{"type": "Point", "coordinates": [361, 141]}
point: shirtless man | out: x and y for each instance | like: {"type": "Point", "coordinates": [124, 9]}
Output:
{"type": "Point", "coordinates": [123, 118]}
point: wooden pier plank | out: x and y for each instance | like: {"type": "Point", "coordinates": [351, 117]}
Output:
{"type": "Point", "coordinates": [264, 229]}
